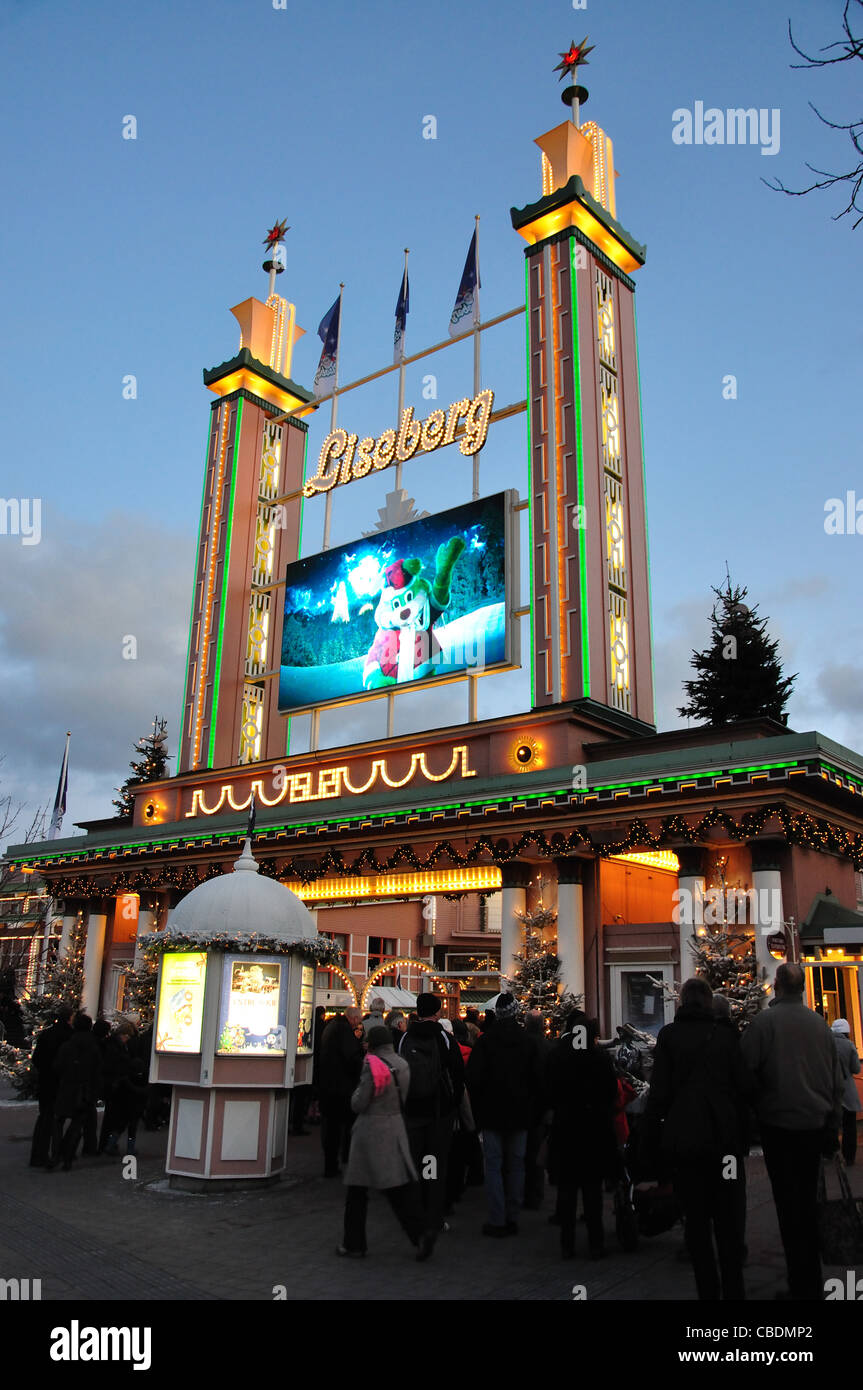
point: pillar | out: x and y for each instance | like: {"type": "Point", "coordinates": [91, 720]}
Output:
{"type": "Point", "coordinates": [769, 916]}
{"type": "Point", "coordinates": [515, 877]}
{"type": "Point", "coordinates": [94, 952]}
{"type": "Point", "coordinates": [570, 923]}
{"type": "Point", "coordinates": [689, 913]}
{"type": "Point", "coordinates": [146, 924]}
{"type": "Point", "coordinates": [69, 920]}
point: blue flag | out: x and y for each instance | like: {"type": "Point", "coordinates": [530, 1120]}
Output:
{"type": "Point", "coordinates": [328, 332]}
{"type": "Point", "coordinates": [402, 311]}
{"type": "Point", "coordinates": [465, 310]}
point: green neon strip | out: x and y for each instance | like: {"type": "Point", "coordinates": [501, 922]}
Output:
{"type": "Point", "coordinates": [579, 444]}
{"type": "Point", "coordinates": [646, 527]}
{"type": "Point", "coordinates": [500, 801]}
{"type": "Point", "coordinates": [226, 572]}
{"type": "Point", "coordinates": [299, 552]}
{"type": "Point", "coordinates": [529, 399]}
{"type": "Point", "coordinates": [194, 591]}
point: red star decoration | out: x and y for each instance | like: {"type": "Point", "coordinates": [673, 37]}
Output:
{"type": "Point", "coordinates": [577, 54]}
{"type": "Point", "coordinates": [277, 233]}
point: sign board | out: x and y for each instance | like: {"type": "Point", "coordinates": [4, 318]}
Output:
{"type": "Point", "coordinates": [253, 1005]}
{"type": "Point", "coordinates": [180, 1014]}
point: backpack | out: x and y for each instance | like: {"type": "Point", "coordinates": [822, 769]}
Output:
{"type": "Point", "coordinates": [428, 1077]}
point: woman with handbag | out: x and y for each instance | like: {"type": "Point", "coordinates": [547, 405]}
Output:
{"type": "Point", "coordinates": [696, 1125]}
{"type": "Point", "coordinates": [380, 1155]}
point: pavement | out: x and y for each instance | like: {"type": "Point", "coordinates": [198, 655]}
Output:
{"type": "Point", "coordinates": [94, 1234]}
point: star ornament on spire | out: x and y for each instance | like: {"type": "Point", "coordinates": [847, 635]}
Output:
{"type": "Point", "coordinates": [276, 234]}
{"type": "Point", "coordinates": [571, 61]}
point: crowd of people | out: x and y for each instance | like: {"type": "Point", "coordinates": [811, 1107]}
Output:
{"type": "Point", "coordinates": [420, 1107]}
{"type": "Point", "coordinates": [78, 1064]}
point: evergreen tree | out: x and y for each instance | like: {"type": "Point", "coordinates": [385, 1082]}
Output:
{"type": "Point", "coordinates": [739, 674]}
{"type": "Point", "coordinates": [535, 982]}
{"type": "Point", "coordinates": [151, 766]}
{"type": "Point", "coordinates": [140, 991]}
{"type": "Point", "coordinates": [725, 958]}
{"type": "Point", "coordinates": [63, 984]}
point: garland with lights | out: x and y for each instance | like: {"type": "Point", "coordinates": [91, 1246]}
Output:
{"type": "Point", "coordinates": [139, 995]}
{"type": "Point", "coordinates": [798, 828]}
{"type": "Point", "coordinates": [316, 951]}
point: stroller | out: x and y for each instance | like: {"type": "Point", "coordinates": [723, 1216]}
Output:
{"type": "Point", "coordinates": [638, 1210]}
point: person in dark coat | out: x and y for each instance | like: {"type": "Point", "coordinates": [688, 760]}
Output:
{"type": "Point", "coordinates": [338, 1074]}
{"type": "Point", "coordinates": [506, 1085]}
{"type": "Point", "coordinates": [582, 1089]}
{"type": "Point", "coordinates": [78, 1067]}
{"type": "Point", "coordinates": [380, 1154]}
{"type": "Point", "coordinates": [434, 1099]}
{"type": "Point", "coordinates": [534, 1179]}
{"type": "Point", "coordinates": [125, 1089]}
{"type": "Point", "coordinates": [696, 1111]}
{"type": "Point", "coordinates": [48, 1044]}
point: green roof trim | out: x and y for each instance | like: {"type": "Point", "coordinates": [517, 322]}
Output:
{"type": "Point", "coordinates": [574, 189]}
{"type": "Point", "coordinates": [244, 358]}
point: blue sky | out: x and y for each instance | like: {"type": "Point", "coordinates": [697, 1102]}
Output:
{"type": "Point", "coordinates": [124, 256]}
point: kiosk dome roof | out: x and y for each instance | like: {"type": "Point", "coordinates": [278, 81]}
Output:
{"type": "Point", "coordinates": [243, 903]}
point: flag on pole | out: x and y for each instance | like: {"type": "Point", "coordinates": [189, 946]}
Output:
{"type": "Point", "coordinates": [60, 799]}
{"type": "Point", "coordinates": [467, 300]}
{"type": "Point", "coordinates": [402, 311]}
{"type": "Point", "coordinates": [328, 332]}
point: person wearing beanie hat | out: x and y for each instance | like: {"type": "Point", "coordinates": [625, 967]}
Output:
{"type": "Point", "coordinates": [849, 1061]}
{"type": "Point", "coordinates": [436, 1090]}
{"type": "Point", "coordinates": [505, 1082]}
{"type": "Point", "coordinates": [380, 1154]}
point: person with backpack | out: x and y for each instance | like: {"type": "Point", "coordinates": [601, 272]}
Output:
{"type": "Point", "coordinates": [506, 1087]}
{"type": "Point", "coordinates": [434, 1097]}
{"type": "Point", "coordinates": [380, 1155]}
{"type": "Point", "coordinates": [700, 1089]}
{"type": "Point", "coordinates": [78, 1067]}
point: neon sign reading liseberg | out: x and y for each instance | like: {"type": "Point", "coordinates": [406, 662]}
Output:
{"type": "Point", "coordinates": [344, 457]}
{"type": "Point", "coordinates": [327, 782]}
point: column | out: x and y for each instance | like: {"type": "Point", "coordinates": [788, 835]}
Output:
{"type": "Point", "coordinates": [93, 954]}
{"type": "Point", "coordinates": [69, 921]}
{"type": "Point", "coordinates": [689, 912]}
{"type": "Point", "coordinates": [146, 924]}
{"type": "Point", "coordinates": [570, 923]}
{"type": "Point", "coordinates": [516, 876]}
{"type": "Point", "coordinates": [768, 915]}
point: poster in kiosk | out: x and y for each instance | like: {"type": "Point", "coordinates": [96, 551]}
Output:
{"type": "Point", "coordinates": [235, 1004]}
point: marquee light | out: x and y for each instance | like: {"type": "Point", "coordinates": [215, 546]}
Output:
{"type": "Point", "coordinates": [651, 859]}
{"type": "Point", "coordinates": [396, 962]}
{"type": "Point", "coordinates": [484, 877]}
{"type": "Point", "coordinates": [327, 782]}
{"type": "Point", "coordinates": [344, 457]}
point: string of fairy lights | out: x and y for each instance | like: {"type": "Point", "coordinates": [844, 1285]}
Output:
{"type": "Point", "coordinates": [798, 828]}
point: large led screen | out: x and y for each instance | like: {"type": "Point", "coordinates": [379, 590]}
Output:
{"type": "Point", "coordinates": [419, 603]}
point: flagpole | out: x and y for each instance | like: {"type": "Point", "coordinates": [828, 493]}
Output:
{"type": "Point", "coordinates": [60, 798]}
{"type": "Point", "coordinates": [476, 357]}
{"type": "Point", "coordinates": [328, 506]}
{"type": "Point", "coordinates": [401, 404]}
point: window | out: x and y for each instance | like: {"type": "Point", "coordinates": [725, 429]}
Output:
{"type": "Point", "coordinates": [328, 979]}
{"type": "Point", "coordinates": [379, 948]}
{"type": "Point", "coordinates": [635, 999]}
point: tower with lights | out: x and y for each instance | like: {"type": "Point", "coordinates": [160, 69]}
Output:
{"type": "Point", "coordinates": [591, 601]}
{"type": "Point", "coordinates": [249, 529]}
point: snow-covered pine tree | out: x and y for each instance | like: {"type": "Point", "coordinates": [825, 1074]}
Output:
{"type": "Point", "coordinates": [535, 981]}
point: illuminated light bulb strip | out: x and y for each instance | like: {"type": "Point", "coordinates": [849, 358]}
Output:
{"type": "Point", "coordinates": [395, 963]}
{"type": "Point", "coordinates": [485, 877]}
{"type": "Point", "coordinates": [664, 859]}
{"type": "Point", "coordinates": [556, 403]}
{"type": "Point", "coordinates": [343, 975]}
{"type": "Point", "coordinates": [258, 624]}
{"type": "Point", "coordinates": [207, 613]}
{"type": "Point", "coordinates": [277, 342]}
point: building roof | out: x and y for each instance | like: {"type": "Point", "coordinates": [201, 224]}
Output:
{"type": "Point", "coordinates": [243, 903]}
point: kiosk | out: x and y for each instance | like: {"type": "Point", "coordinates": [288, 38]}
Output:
{"type": "Point", "coordinates": [234, 1017]}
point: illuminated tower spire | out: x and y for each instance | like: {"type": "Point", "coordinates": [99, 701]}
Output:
{"type": "Point", "coordinates": [591, 633]}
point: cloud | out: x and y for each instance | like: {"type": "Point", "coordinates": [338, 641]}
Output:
{"type": "Point", "coordinates": [67, 606]}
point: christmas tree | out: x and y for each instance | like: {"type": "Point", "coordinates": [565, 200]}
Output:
{"type": "Point", "coordinates": [140, 991]}
{"type": "Point", "coordinates": [739, 674]}
{"type": "Point", "coordinates": [151, 766]}
{"type": "Point", "coordinates": [536, 982]}
{"type": "Point", "coordinates": [63, 984]}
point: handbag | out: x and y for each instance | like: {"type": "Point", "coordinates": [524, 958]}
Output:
{"type": "Point", "coordinates": [840, 1220]}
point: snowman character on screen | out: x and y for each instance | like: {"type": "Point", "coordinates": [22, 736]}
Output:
{"type": "Point", "coordinates": [405, 645]}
